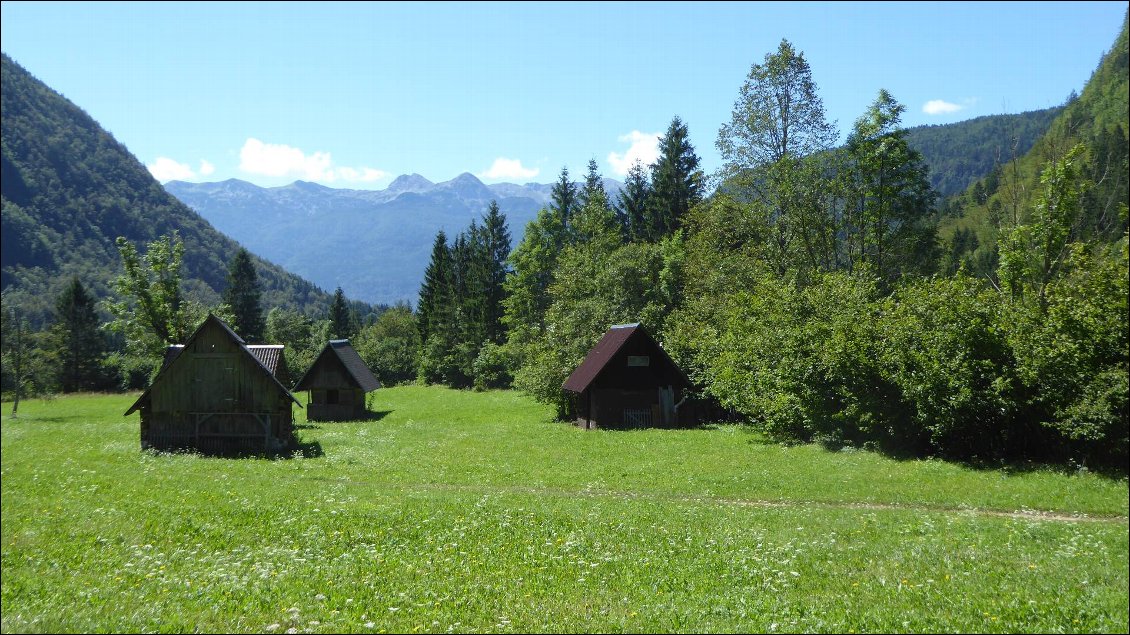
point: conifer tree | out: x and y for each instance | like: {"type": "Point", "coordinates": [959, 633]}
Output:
{"type": "Point", "coordinates": [496, 238]}
{"type": "Point", "coordinates": [78, 341]}
{"type": "Point", "coordinates": [340, 319]}
{"type": "Point", "coordinates": [243, 297]}
{"type": "Point", "coordinates": [631, 206]}
{"type": "Point", "coordinates": [564, 195]}
{"type": "Point", "coordinates": [676, 182]}
{"type": "Point", "coordinates": [435, 290]}
{"type": "Point", "coordinates": [594, 185]}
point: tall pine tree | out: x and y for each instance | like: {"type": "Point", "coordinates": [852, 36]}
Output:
{"type": "Point", "coordinates": [496, 238]}
{"type": "Point", "coordinates": [243, 296]}
{"type": "Point", "coordinates": [564, 197]}
{"type": "Point", "coordinates": [631, 206]}
{"type": "Point", "coordinates": [437, 315]}
{"type": "Point", "coordinates": [77, 339]}
{"type": "Point", "coordinates": [341, 319]}
{"type": "Point", "coordinates": [435, 290]}
{"type": "Point", "coordinates": [594, 185]}
{"type": "Point", "coordinates": [676, 182]}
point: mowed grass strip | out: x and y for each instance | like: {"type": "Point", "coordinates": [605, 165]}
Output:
{"type": "Point", "coordinates": [458, 511]}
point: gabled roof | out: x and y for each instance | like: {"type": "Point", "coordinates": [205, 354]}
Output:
{"type": "Point", "coordinates": [614, 339]}
{"type": "Point", "coordinates": [268, 355]}
{"type": "Point", "coordinates": [354, 366]}
{"type": "Point", "coordinates": [172, 353]}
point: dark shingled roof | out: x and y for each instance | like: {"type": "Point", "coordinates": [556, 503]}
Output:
{"type": "Point", "coordinates": [605, 350]}
{"type": "Point", "coordinates": [354, 366]}
{"type": "Point", "coordinates": [268, 355]}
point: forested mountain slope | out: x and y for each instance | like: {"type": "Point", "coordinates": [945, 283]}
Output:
{"type": "Point", "coordinates": [961, 153]}
{"type": "Point", "coordinates": [1100, 120]}
{"type": "Point", "coordinates": [69, 189]}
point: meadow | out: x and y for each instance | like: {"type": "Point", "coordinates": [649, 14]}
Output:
{"type": "Point", "coordinates": [454, 511]}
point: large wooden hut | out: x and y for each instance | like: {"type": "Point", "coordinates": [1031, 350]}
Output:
{"type": "Point", "coordinates": [215, 394]}
{"type": "Point", "coordinates": [628, 380]}
{"type": "Point", "coordinates": [337, 380]}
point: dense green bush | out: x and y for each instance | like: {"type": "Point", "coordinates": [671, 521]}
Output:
{"type": "Point", "coordinates": [391, 346]}
{"type": "Point", "coordinates": [945, 351]}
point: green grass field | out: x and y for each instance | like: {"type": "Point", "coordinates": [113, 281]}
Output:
{"type": "Point", "coordinates": [471, 512]}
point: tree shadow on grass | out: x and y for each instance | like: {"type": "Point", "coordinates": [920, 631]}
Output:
{"type": "Point", "coordinates": [1006, 466]}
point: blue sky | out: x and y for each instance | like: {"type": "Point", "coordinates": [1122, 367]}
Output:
{"type": "Point", "coordinates": [354, 94]}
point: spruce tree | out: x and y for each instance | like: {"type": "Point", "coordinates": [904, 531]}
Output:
{"type": "Point", "coordinates": [243, 296]}
{"type": "Point", "coordinates": [77, 339]}
{"type": "Point", "coordinates": [631, 206]}
{"type": "Point", "coordinates": [496, 238]}
{"type": "Point", "coordinates": [564, 195]}
{"type": "Point", "coordinates": [676, 182]}
{"type": "Point", "coordinates": [594, 185]}
{"type": "Point", "coordinates": [435, 289]}
{"type": "Point", "coordinates": [340, 319]}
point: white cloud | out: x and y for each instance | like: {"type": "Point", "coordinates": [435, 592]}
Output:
{"type": "Point", "coordinates": [206, 168]}
{"type": "Point", "coordinates": [504, 168]}
{"type": "Point", "coordinates": [645, 148]}
{"type": "Point", "coordinates": [940, 107]}
{"type": "Point", "coordinates": [165, 169]}
{"type": "Point", "coordinates": [278, 160]}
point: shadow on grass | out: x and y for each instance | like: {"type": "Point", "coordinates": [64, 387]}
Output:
{"type": "Point", "coordinates": [300, 450]}
{"type": "Point", "coordinates": [369, 416]}
{"type": "Point", "coordinates": [41, 419]}
{"type": "Point", "coordinates": [1007, 466]}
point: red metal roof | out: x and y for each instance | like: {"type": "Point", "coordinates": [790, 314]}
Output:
{"type": "Point", "coordinates": [614, 339]}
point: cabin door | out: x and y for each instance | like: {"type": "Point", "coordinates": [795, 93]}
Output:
{"type": "Point", "coordinates": [667, 404]}
{"type": "Point", "coordinates": [215, 383]}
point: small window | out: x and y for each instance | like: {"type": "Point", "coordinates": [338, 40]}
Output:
{"type": "Point", "coordinates": [331, 397]}
{"type": "Point", "coordinates": [639, 360]}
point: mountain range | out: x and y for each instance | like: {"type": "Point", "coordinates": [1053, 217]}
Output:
{"type": "Point", "coordinates": [374, 244]}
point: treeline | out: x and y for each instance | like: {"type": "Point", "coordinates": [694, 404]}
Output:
{"type": "Point", "coordinates": [811, 295]}
{"type": "Point", "coordinates": [151, 310]}
{"type": "Point", "coordinates": [491, 318]}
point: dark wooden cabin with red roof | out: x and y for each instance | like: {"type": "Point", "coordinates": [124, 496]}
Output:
{"type": "Point", "coordinates": [628, 380]}
{"type": "Point", "coordinates": [217, 395]}
{"type": "Point", "coordinates": [337, 380]}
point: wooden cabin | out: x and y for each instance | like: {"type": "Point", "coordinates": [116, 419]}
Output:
{"type": "Point", "coordinates": [217, 395]}
{"type": "Point", "coordinates": [337, 380]}
{"type": "Point", "coordinates": [628, 380]}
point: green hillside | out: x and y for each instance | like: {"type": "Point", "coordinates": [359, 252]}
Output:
{"type": "Point", "coordinates": [69, 190]}
{"type": "Point", "coordinates": [959, 154]}
{"type": "Point", "coordinates": [1099, 119]}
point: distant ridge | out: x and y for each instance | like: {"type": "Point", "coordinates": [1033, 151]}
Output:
{"type": "Point", "coordinates": [374, 243]}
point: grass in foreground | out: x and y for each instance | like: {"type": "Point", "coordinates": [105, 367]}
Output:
{"type": "Point", "coordinates": [463, 512]}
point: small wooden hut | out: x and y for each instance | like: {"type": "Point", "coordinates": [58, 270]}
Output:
{"type": "Point", "coordinates": [337, 380]}
{"type": "Point", "coordinates": [628, 380]}
{"type": "Point", "coordinates": [217, 395]}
